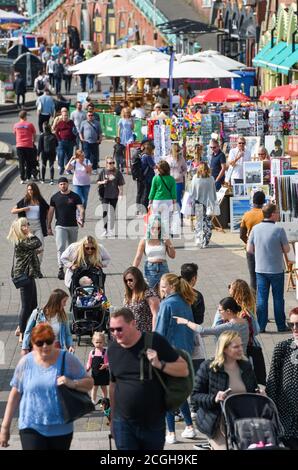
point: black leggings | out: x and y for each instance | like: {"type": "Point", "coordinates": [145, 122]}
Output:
{"type": "Point", "coordinates": [109, 212]}
{"type": "Point", "coordinates": [28, 303]}
{"type": "Point", "coordinates": [47, 157]}
{"type": "Point", "coordinates": [32, 440]}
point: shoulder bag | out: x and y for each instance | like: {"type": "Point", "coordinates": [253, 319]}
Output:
{"type": "Point", "coordinates": [176, 389]}
{"type": "Point", "coordinates": [22, 280]}
{"type": "Point", "coordinates": [74, 404]}
{"type": "Point", "coordinates": [212, 209]}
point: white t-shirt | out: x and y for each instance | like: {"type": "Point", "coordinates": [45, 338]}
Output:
{"type": "Point", "coordinates": [33, 214]}
{"type": "Point", "coordinates": [238, 168]}
{"type": "Point", "coordinates": [80, 175]}
{"type": "Point", "coordinates": [53, 321]}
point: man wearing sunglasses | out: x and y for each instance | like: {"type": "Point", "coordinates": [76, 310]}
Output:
{"type": "Point", "coordinates": [237, 157]}
{"type": "Point", "coordinates": [138, 410]}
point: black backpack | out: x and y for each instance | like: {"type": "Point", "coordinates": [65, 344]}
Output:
{"type": "Point", "coordinates": [136, 167]}
{"type": "Point", "coordinates": [40, 84]}
{"type": "Point", "coordinates": [49, 143]}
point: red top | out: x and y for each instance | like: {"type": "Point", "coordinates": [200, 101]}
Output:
{"type": "Point", "coordinates": [64, 130]}
{"type": "Point", "coordinates": [25, 133]}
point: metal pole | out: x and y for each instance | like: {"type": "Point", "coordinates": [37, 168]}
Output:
{"type": "Point", "coordinates": [154, 23]}
{"type": "Point", "coordinates": [171, 65]}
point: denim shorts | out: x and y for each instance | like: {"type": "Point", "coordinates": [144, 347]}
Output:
{"type": "Point", "coordinates": [154, 271]}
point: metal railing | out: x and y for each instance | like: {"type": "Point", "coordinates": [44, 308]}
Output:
{"type": "Point", "coordinates": [155, 16]}
{"type": "Point", "coordinates": [40, 17]}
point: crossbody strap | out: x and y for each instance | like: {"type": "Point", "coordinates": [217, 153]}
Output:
{"type": "Point", "coordinates": [63, 364]}
{"type": "Point", "coordinates": [164, 183]}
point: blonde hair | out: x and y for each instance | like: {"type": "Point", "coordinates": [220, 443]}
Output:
{"type": "Point", "coordinates": [80, 259]}
{"type": "Point", "coordinates": [244, 296]}
{"type": "Point", "coordinates": [223, 342]}
{"type": "Point", "coordinates": [180, 286]}
{"type": "Point", "coordinates": [126, 110]}
{"type": "Point", "coordinates": [203, 170]}
{"type": "Point", "coordinates": [15, 234]}
{"type": "Point", "coordinates": [99, 335]}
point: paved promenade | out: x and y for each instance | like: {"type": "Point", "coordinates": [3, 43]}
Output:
{"type": "Point", "coordinates": [223, 262]}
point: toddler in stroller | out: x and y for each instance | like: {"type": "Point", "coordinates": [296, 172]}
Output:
{"type": "Point", "coordinates": [89, 304]}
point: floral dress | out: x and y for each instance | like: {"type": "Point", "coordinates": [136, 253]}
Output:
{"type": "Point", "coordinates": [142, 311]}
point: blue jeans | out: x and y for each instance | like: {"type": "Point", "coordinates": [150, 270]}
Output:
{"type": "Point", "coordinates": [179, 190]}
{"type": "Point", "coordinates": [91, 152]}
{"type": "Point", "coordinates": [276, 281]}
{"type": "Point", "coordinates": [186, 415]}
{"type": "Point", "coordinates": [131, 435]}
{"type": "Point", "coordinates": [83, 192]}
{"type": "Point", "coordinates": [154, 271]}
{"type": "Point", "coordinates": [64, 151]}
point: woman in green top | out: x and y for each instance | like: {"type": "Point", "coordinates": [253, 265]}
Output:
{"type": "Point", "coordinates": [163, 195]}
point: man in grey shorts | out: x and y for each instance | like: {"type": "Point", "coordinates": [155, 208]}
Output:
{"type": "Point", "coordinates": [65, 204]}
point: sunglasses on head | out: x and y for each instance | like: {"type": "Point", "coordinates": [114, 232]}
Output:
{"type": "Point", "coordinates": [41, 342]}
{"type": "Point", "coordinates": [118, 329]}
{"type": "Point", "coordinates": [293, 326]}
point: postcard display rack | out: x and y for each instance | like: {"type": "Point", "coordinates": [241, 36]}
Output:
{"type": "Point", "coordinates": [294, 119]}
{"type": "Point", "coordinates": [286, 195]}
{"type": "Point", "coordinates": [162, 141]}
{"type": "Point", "coordinates": [210, 123]}
{"type": "Point", "coordinates": [275, 122]}
{"type": "Point", "coordinates": [256, 122]}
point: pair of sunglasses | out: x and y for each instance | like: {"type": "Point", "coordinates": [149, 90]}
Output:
{"type": "Point", "coordinates": [40, 343]}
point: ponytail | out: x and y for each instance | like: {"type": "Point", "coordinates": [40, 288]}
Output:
{"type": "Point", "coordinates": [180, 286]}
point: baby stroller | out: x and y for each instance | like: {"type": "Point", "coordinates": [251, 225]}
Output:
{"type": "Point", "coordinates": [88, 319]}
{"type": "Point", "coordinates": [252, 422]}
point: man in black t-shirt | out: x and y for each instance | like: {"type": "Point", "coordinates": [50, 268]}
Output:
{"type": "Point", "coordinates": [65, 204]}
{"type": "Point", "coordinates": [217, 164]}
{"type": "Point", "coordinates": [138, 408]}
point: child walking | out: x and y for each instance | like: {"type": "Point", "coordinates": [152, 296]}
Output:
{"type": "Point", "coordinates": [98, 363]}
{"type": "Point", "coordinates": [119, 154]}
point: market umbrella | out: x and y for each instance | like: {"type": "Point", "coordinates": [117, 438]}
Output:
{"type": "Point", "coordinates": [220, 60]}
{"type": "Point", "coordinates": [219, 95]}
{"type": "Point", "coordinates": [12, 17]}
{"type": "Point", "coordinates": [280, 93]}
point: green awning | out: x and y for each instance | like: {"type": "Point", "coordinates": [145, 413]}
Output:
{"type": "Point", "coordinates": [288, 62]}
{"type": "Point", "coordinates": [261, 54]}
{"type": "Point", "coordinates": [269, 59]}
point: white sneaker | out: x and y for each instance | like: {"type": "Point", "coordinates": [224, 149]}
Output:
{"type": "Point", "coordinates": [171, 438]}
{"type": "Point", "coordinates": [189, 433]}
{"type": "Point", "coordinates": [22, 182]}
{"type": "Point", "coordinates": [94, 172]}
{"type": "Point", "coordinates": [193, 414]}
{"type": "Point", "coordinates": [104, 234]}
{"type": "Point", "coordinates": [51, 182]}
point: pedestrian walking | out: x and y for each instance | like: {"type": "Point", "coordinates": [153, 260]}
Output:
{"type": "Point", "coordinates": [54, 314]}
{"type": "Point", "coordinates": [58, 75]}
{"type": "Point", "coordinates": [82, 254]}
{"type": "Point", "coordinates": [156, 246]}
{"type": "Point", "coordinates": [148, 167]}
{"type": "Point", "coordinates": [140, 299]}
{"type": "Point", "coordinates": [40, 83]}
{"type": "Point", "coordinates": [65, 204]}
{"type": "Point", "coordinates": [269, 242]}
{"type": "Point", "coordinates": [91, 136]}
{"type": "Point", "coordinates": [34, 207]}
{"type": "Point", "coordinates": [19, 86]}
{"type": "Point", "coordinates": [110, 182]}
{"type": "Point", "coordinates": [65, 133]}
{"type": "Point", "coordinates": [50, 70]}
{"type": "Point", "coordinates": [45, 108]}
{"type": "Point", "coordinates": [78, 116]}
{"type": "Point", "coordinates": [126, 127]}
{"type": "Point", "coordinates": [41, 422]}
{"type": "Point", "coordinates": [203, 192]}
{"type": "Point", "coordinates": [47, 145]}
{"type": "Point", "coordinates": [81, 168]}
{"type": "Point", "coordinates": [177, 297]}
{"type": "Point", "coordinates": [217, 163]}
{"type": "Point", "coordinates": [67, 76]}
{"type": "Point", "coordinates": [25, 133]}
{"type": "Point", "coordinates": [138, 408]}
{"type": "Point", "coordinates": [249, 220]}
{"type": "Point", "coordinates": [25, 261]}
{"type": "Point", "coordinates": [119, 154]}
{"type": "Point", "coordinates": [99, 365]}
{"type": "Point", "coordinates": [178, 170]}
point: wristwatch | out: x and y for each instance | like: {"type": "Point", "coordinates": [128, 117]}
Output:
{"type": "Point", "coordinates": [163, 365]}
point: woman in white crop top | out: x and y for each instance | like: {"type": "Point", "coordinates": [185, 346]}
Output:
{"type": "Point", "coordinates": [156, 249]}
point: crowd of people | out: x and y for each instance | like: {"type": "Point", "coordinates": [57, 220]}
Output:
{"type": "Point", "coordinates": [156, 300]}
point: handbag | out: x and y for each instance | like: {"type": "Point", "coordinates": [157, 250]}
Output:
{"type": "Point", "coordinates": [212, 209]}
{"type": "Point", "coordinates": [101, 189]}
{"type": "Point", "coordinates": [255, 352]}
{"type": "Point", "coordinates": [176, 223]}
{"type": "Point", "coordinates": [74, 404]}
{"type": "Point", "coordinates": [22, 280]}
{"type": "Point", "coordinates": [187, 204]}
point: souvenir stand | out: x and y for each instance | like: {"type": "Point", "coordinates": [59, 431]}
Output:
{"type": "Point", "coordinates": [256, 122]}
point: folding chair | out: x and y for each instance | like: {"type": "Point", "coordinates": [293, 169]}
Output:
{"type": "Point", "coordinates": [291, 269]}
